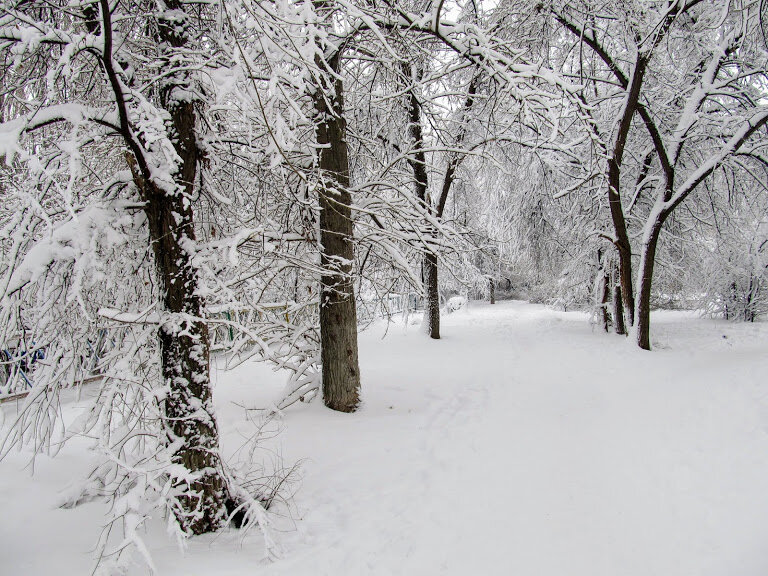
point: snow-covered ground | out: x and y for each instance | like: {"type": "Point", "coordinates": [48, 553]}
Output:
{"type": "Point", "coordinates": [523, 442]}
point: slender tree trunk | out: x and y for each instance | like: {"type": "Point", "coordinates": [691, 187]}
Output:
{"type": "Point", "coordinates": [418, 163]}
{"type": "Point", "coordinates": [492, 290]}
{"type": "Point", "coordinates": [431, 276]}
{"type": "Point", "coordinates": [432, 310]}
{"type": "Point", "coordinates": [431, 320]}
{"type": "Point", "coordinates": [603, 290]}
{"type": "Point", "coordinates": [750, 306]}
{"type": "Point", "coordinates": [623, 246]}
{"type": "Point", "coordinates": [605, 295]}
{"type": "Point", "coordinates": [618, 310]}
{"type": "Point", "coordinates": [338, 313]}
{"type": "Point", "coordinates": [645, 280]}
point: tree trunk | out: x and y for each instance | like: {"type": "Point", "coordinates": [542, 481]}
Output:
{"type": "Point", "coordinates": [187, 409]}
{"type": "Point", "coordinates": [432, 309]}
{"type": "Point", "coordinates": [750, 306]}
{"type": "Point", "coordinates": [492, 290]}
{"type": "Point", "coordinates": [184, 352]}
{"type": "Point", "coordinates": [623, 246]}
{"type": "Point", "coordinates": [618, 310]}
{"type": "Point", "coordinates": [605, 295]}
{"type": "Point", "coordinates": [418, 163]}
{"type": "Point", "coordinates": [184, 347]}
{"type": "Point", "coordinates": [645, 280]}
{"type": "Point", "coordinates": [731, 302]}
{"type": "Point", "coordinates": [338, 313]}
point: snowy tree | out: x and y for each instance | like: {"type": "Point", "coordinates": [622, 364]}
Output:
{"type": "Point", "coordinates": [732, 249]}
{"type": "Point", "coordinates": [104, 141]}
{"type": "Point", "coordinates": [691, 73]}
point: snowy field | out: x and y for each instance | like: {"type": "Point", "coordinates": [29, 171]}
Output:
{"type": "Point", "coordinates": [524, 442]}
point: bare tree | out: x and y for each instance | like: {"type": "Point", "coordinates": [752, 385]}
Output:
{"type": "Point", "coordinates": [715, 84]}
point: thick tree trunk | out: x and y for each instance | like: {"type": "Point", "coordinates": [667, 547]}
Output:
{"type": "Point", "coordinates": [187, 409]}
{"type": "Point", "coordinates": [184, 352]}
{"type": "Point", "coordinates": [338, 313]}
{"type": "Point", "coordinates": [432, 309]}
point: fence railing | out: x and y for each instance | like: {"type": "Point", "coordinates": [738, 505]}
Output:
{"type": "Point", "coordinates": [18, 361]}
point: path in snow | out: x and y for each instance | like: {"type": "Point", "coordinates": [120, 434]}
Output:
{"type": "Point", "coordinates": [522, 442]}
{"type": "Point", "coordinates": [532, 444]}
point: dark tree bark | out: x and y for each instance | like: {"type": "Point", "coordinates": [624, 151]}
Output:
{"type": "Point", "coordinates": [432, 308]}
{"type": "Point", "coordinates": [750, 306]}
{"type": "Point", "coordinates": [618, 308]}
{"type": "Point", "coordinates": [605, 296]}
{"type": "Point", "coordinates": [668, 162]}
{"type": "Point", "coordinates": [632, 84]}
{"type": "Point", "coordinates": [492, 289]}
{"type": "Point", "coordinates": [418, 163]}
{"type": "Point", "coordinates": [187, 409]}
{"type": "Point", "coordinates": [603, 290]}
{"type": "Point", "coordinates": [431, 320]}
{"type": "Point", "coordinates": [338, 313]}
{"type": "Point", "coordinates": [623, 246]}
{"type": "Point", "coordinates": [647, 260]}
{"type": "Point", "coordinates": [651, 237]}
{"type": "Point", "coordinates": [184, 344]}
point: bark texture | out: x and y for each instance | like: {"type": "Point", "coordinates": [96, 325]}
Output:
{"type": "Point", "coordinates": [187, 409]}
{"type": "Point", "coordinates": [432, 309]}
{"type": "Point", "coordinates": [623, 246]}
{"type": "Point", "coordinates": [644, 294]}
{"type": "Point", "coordinates": [418, 163]}
{"type": "Point", "coordinates": [618, 309]}
{"type": "Point", "coordinates": [492, 290]}
{"type": "Point", "coordinates": [605, 296]}
{"type": "Point", "coordinates": [645, 281]}
{"type": "Point", "coordinates": [338, 313]}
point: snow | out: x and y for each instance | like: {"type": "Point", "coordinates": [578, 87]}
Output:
{"type": "Point", "coordinates": [455, 303]}
{"type": "Point", "coordinates": [522, 442]}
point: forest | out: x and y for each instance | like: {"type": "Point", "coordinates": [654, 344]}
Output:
{"type": "Point", "coordinates": [206, 198]}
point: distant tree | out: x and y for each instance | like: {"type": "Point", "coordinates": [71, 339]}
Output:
{"type": "Point", "coordinates": [693, 82]}
{"type": "Point", "coordinates": [731, 253]}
